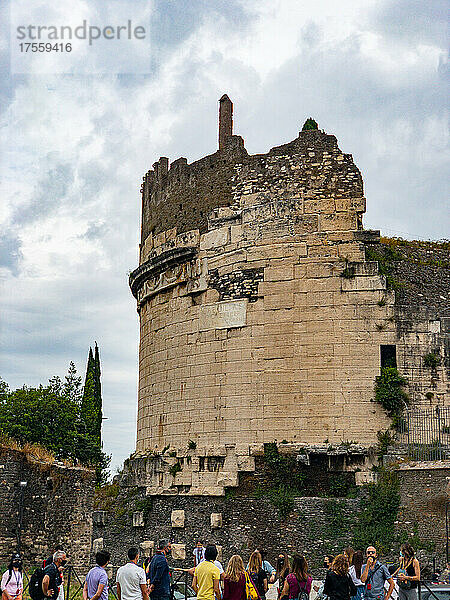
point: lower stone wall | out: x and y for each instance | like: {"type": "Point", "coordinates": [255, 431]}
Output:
{"type": "Point", "coordinates": [235, 524]}
{"type": "Point", "coordinates": [425, 495]}
{"type": "Point", "coordinates": [57, 507]}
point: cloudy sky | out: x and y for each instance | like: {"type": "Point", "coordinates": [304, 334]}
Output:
{"type": "Point", "coordinates": [78, 132]}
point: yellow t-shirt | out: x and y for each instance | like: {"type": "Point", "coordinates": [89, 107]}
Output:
{"type": "Point", "coordinates": [206, 572]}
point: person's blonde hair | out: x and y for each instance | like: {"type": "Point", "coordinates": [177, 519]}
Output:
{"type": "Point", "coordinates": [255, 562]}
{"type": "Point", "coordinates": [340, 565]}
{"type": "Point", "coordinates": [235, 568]}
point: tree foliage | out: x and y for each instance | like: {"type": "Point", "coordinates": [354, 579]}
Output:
{"type": "Point", "coordinates": [51, 416]}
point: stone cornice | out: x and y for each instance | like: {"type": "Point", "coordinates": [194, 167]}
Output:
{"type": "Point", "coordinates": [158, 264]}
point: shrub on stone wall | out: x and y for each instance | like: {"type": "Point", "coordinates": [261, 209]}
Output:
{"type": "Point", "coordinates": [389, 391]}
{"type": "Point", "coordinates": [376, 523]}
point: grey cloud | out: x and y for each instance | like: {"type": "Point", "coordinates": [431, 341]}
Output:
{"type": "Point", "coordinates": [10, 254]}
{"type": "Point", "coordinates": [414, 21]}
{"type": "Point", "coordinates": [49, 192]}
{"type": "Point", "coordinates": [95, 231]}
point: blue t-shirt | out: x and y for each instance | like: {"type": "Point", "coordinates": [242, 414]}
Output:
{"type": "Point", "coordinates": [96, 576]}
{"type": "Point", "coordinates": [376, 577]}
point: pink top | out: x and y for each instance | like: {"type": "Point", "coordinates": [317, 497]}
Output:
{"type": "Point", "coordinates": [14, 587]}
{"type": "Point", "coordinates": [295, 587]}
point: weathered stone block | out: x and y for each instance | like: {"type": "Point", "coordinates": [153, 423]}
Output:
{"type": "Point", "coordinates": [97, 545]}
{"type": "Point", "coordinates": [215, 238]}
{"type": "Point", "coordinates": [216, 520]}
{"type": "Point", "coordinates": [178, 551]}
{"type": "Point", "coordinates": [138, 519]}
{"type": "Point", "coordinates": [177, 518]}
{"type": "Point", "coordinates": [363, 477]}
{"type": "Point", "coordinates": [147, 547]}
{"type": "Point", "coordinates": [223, 315]}
{"type": "Point", "coordinates": [99, 517]}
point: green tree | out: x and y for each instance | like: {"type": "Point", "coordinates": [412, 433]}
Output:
{"type": "Point", "coordinates": [51, 417]}
{"type": "Point", "coordinates": [98, 404]}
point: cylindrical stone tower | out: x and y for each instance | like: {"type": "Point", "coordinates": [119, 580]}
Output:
{"type": "Point", "coordinates": [260, 319]}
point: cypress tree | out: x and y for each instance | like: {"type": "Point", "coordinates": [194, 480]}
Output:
{"type": "Point", "coordinates": [87, 412]}
{"type": "Point", "coordinates": [98, 415]}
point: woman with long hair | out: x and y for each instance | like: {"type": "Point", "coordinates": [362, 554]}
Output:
{"type": "Point", "coordinates": [283, 570]}
{"type": "Point", "coordinates": [355, 574]}
{"type": "Point", "coordinates": [298, 582]}
{"type": "Point", "coordinates": [349, 552]}
{"type": "Point", "coordinates": [12, 580]}
{"type": "Point", "coordinates": [234, 580]}
{"type": "Point", "coordinates": [408, 573]}
{"type": "Point", "coordinates": [257, 574]}
{"type": "Point", "coordinates": [338, 583]}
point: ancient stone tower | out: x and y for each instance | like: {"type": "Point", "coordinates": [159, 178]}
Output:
{"type": "Point", "coordinates": [260, 318]}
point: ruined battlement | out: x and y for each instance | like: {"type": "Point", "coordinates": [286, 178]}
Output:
{"type": "Point", "coordinates": [184, 194]}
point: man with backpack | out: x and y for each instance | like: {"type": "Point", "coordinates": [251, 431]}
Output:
{"type": "Point", "coordinates": [52, 578]}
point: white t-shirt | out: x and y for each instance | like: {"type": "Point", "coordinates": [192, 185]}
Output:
{"type": "Point", "coordinates": [219, 566]}
{"type": "Point", "coordinates": [352, 573]}
{"type": "Point", "coordinates": [130, 577]}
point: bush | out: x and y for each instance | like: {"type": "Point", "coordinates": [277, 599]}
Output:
{"type": "Point", "coordinates": [432, 360]}
{"type": "Point", "coordinates": [389, 392]}
{"type": "Point", "coordinates": [310, 124]}
{"type": "Point", "coordinates": [376, 523]}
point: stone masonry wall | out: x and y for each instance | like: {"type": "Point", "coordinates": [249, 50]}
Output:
{"type": "Point", "coordinates": [236, 524]}
{"type": "Point", "coordinates": [57, 508]}
{"type": "Point", "coordinates": [267, 321]}
{"type": "Point", "coordinates": [425, 493]}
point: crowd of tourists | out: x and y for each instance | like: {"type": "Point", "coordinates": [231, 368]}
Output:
{"type": "Point", "coordinates": [349, 576]}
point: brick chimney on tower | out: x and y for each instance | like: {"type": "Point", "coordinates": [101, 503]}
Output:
{"type": "Point", "coordinates": [225, 120]}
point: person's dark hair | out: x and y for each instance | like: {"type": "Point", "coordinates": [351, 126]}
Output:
{"type": "Point", "coordinates": [357, 562]}
{"type": "Point", "coordinates": [210, 552]}
{"type": "Point", "coordinates": [132, 553]}
{"type": "Point", "coordinates": [282, 565]}
{"type": "Point", "coordinates": [408, 550]}
{"type": "Point", "coordinates": [300, 567]}
{"type": "Point", "coordinates": [163, 544]}
{"type": "Point", "coordinates": [58, 548]}
{"type": "Point", "coordinates": [17, 559]}
{"type": "Point", "coordinates": [263, 553]}
{"type": "Point", "coordinates": [102, 557]}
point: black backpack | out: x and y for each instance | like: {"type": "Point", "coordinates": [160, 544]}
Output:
{"type": "Point", "coordinates": [35, 585]}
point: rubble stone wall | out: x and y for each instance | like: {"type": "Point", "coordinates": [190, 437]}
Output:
{"type": "Point", "coordinates": [57, 508]}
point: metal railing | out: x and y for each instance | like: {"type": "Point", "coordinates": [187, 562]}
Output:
{"type": "Point", "coordinates": [426, 585]}
{"type": "Point", "coordinates": [426, 433]}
